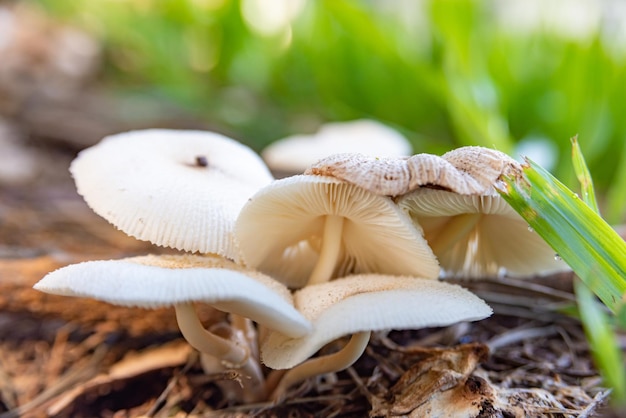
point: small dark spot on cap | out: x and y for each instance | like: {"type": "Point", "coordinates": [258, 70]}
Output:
{"type": "Point", "coordinates": [201, 161]}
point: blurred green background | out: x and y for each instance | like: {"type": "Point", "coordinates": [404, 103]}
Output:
{"type": "Point", "coordinates": [522, 76]}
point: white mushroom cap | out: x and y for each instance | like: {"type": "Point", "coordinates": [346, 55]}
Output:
{"type": "Point", "coordinates": [370, 303]}
{"type": "Point", "coordinates": [179, 189]}
{"type": "Point", "coordinates": [284, 227]}
{"type": "Point", "coordinates": [296, 153]}
{"type": "Point", "coordinates": [478, 236]}
{"type": "Point", "coordinates": [161, 281]}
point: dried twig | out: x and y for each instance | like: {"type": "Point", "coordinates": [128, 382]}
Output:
{"type": "Point", "coordinates": [517, 335]}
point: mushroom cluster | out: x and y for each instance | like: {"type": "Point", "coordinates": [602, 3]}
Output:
{"type": "Point", "coordinates": [352, 246]}
{"type": "Point", "coordinates": [453, 201]}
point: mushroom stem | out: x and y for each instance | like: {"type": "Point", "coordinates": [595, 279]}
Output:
{"type": "Point", "coordinates": [229, 352]}
{"type": "Point", "coordinates": [335, 362]}
{"type": "Point", "coordinates": [249, 332]}
{"type": "Point", "coordinates": [248, 389]}
{"type": "Point", "coordinates": [329, 252]}
{"type": "Point", "coordinates": [456, 229]}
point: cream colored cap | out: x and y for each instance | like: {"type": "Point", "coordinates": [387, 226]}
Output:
{"type": "Point", "coordinates": [179, 189]}
{"type": "Point", "coordinates": [167, 280]}
{"type": "Point", "coordinates": [296, 153]}
{"type": "Point", "coordinates": [370, 303]}
{"type": "Point", "coordinates": [478, 236]}
{"type": "Point", "coordinates": [280, 229]}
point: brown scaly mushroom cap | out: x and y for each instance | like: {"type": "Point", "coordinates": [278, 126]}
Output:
{"type": "Point", "coordinates": [382, 176]}
{"type": "Point", "coordinates": [455, 171]}
{"type": "Point", "coordinates": [486, 166]}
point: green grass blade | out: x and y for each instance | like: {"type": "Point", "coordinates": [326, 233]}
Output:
{"type": "Point", "coordinates": [603, 342]}
{"type": "Point", "coordinates": [576, 233]}
{"type": "Point", "coordinates": [615, 209]}
{"type": "Point", "coordinates": [584, 177]}
{"type": "Point", "coordinates": [600, 334]}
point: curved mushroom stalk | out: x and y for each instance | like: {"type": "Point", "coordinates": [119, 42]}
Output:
{"type": "Point", "coordinates": [330, 363]}
{"type": "Point", "coordinates": [244, 384]}
{"type": "Point", "coordinates": [231, 353]}
{"type": "Point", "coordinates": [248, 333]}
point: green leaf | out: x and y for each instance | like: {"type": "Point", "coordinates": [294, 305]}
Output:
{"type": "Point", "coordinates": [576, 233]}
{"type": "Point", "coordinates": [597, 326]}
{"type": "Point", "coordinates": [602, 340]}
{"type": "Point", "coordinates": [620, 316]}
{"type": "Point", "coordinates": [583, 175]}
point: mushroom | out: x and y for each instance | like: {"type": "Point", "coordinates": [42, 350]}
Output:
{"type": "Point", "coordinates": [295, 153]}
{"type": "Point", "coordinates": [478, 236]}
{"type": "Point", "coordinates": [475, 233]}
{"type": "Point", "coordinates": [309, 229]}
{"type": "Point", "coordinates": [358, 305]}
{"type": "Point", "coordinates": [179, 189]}
{"type": "Point", "coordinates": [396, 176]}
{"type": "Point", "coordinates": [179, 281]}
